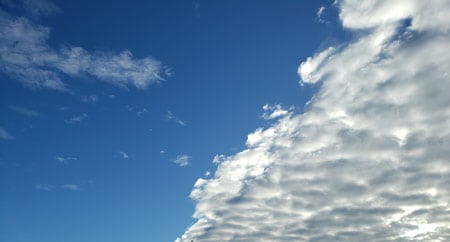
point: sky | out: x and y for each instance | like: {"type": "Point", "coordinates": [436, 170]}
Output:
{"type": "Point", "coordinates": [224, 120]}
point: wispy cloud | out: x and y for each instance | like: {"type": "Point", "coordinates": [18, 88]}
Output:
{"type": "Point", "coordinates": [368, 160]}
{"type": "Point", "coordinates": [65, 160]}
{"type": "Point", "coordinates": [182, 160]}
{"type": "Point", "coordinates": [44, 187]}
{"type": "Point", "coordinates": [320, 13]}
{"type": "Point", "coordinates": [40, 8]}
{"type": "Point", "coordinates": [77, 118]}
{"type": "Point", "coordinates": [123, 155]}
{"type": "Point", "coordinates": [4, 134]}
{"type": "Point", "coordinates": [71, 187]}
{"type": "Point", "coordinates": [170, 116]}
{"type": "Point", "coordinates": [26, 56]}
{"type": "Point", "coordinates": [141, 112]}
{"type": "Point", "coordinates": [24, 111]}
{"type": "Point", "coordinates": [93, 99]}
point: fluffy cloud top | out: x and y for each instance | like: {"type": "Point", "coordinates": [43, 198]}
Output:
{"type": "Point", "coordinates": [369, 159]}
{"type": "Point", "coordinates": [26, 56]}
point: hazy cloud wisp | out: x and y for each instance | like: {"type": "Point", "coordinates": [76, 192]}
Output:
{"type": "Point", "coordinates": [26, 56]}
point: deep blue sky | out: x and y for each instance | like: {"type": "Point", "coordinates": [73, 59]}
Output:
{"type": "Point", "coordinates": [228, 59]}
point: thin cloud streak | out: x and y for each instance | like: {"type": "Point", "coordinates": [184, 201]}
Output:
{"type": "Point", "coordinates": [24, 111]}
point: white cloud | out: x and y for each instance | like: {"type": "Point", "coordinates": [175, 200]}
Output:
{"type": "Point", "coordinates": [320, 11]}
{"type": "Point", "coordinates": [65, 160]}
{"type": "Point", "coordinates": [274, 112]}
{"type": "Point", "coordinates": [182, 160]}
{"type": "Point", "coordinates": [24, 111]}
{"type": "Point", "coordinates": [171, 117]}
{"type": "Point", "coordinates": [218, 159]}
{"type": "Point", "coordinates": [124, 155]}
{"type": "Point", "coordinates": [26, 56]}
{"type": "Point", "coordinates": [44, 187]}
{"type": "Point", "coordinates": [4, 134]}
{"type": "Point", "coordinates": [77, 118]}
{"type": "Point", "coordinates": [368, 160]}
{"type": "Point", "coordinates": [71, 187]}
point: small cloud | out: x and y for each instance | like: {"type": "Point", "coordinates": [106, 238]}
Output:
{"type": "Point", "coordinates": [320, 11]}
{"type": "Point", "coordinates": [319, 14]}
{"type": "Point", "coordinates": [162, 152]}
{"type": "Point", "coordinates": [4, 134]}
{"type": "Point", "coordinates": [65, 160]}
{"type": "Point", "coordinates": [62, 108]}
{"type": "Point", "coordinates": [171, 117]}
{"type": "Point", "coordinates": [141, 112]}
{"type": "Point", "coordinates": [218, 159]}
{"type": "Point", "coordinates": [123, 154]}
{"type": "Point", "coordinates": [24, 111]}
{"type": "Point", "coordinates": [207, 174]}
{"type": "Point", "coordinates": [71, 187]}
{"type": "Point", "coordinates": [93, 99]}
{"type": "Point", "coordinates": [77, 118]}
{"type": "Point", "coordinates": [273, 112]}
{"type": "Point", "coordinates": [182, 160]}
{"type": "Point", "coordinates": [44, 187]}
{"type": "Point", "coordinates": [111, 96]}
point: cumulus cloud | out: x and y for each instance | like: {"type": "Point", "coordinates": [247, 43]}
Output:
{"type": "Point", "coordinates": [182, 160]}
{"type": "Point", "coordinates": [368, 160]}
{"type": "Point", "coordinates": [26, 56]}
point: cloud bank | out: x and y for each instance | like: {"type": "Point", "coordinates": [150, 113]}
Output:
{"type": "Point", "coordinates": [368, 160]}
{"type": "Point", "coordinates": [26, 56]}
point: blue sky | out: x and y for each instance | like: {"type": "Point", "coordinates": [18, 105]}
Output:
{"type": "Point", "coordinates": [95, 161]}
{"type": "Point", "coordinates": [224, 121]}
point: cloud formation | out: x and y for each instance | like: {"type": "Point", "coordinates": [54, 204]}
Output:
{"type": "Point", "coordinates": [24, 111]}
{"type": "Point", "coordinates": [123, 155]}
{"type": "Point", "coordinates": [182, 160]}
{"type": "Point", "coordinates": [4, 134]}
{"type": "Point", "coordinates": [71, 187]}
{"type": "Point", "coordinates": [65, 160]}
{"type": "Point", "coordinates": [367, 161]}
{"type": "Point", "coordinates": [170, 116]}
{"type": "Point", "coordinates": [26, 56]}
{"type": "Point", "coordinates": [77, 118]}
{"type": "Point", "coordinates": [44, 187]}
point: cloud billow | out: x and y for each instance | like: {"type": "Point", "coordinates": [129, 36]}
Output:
{"type": "Point", "coordinates": [367, 161]}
